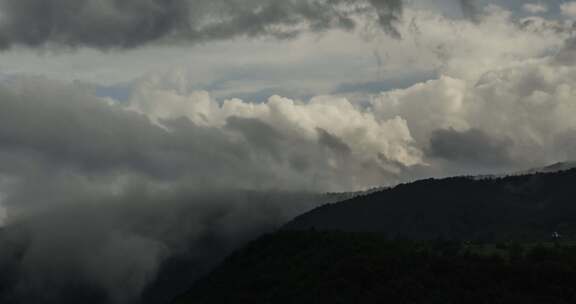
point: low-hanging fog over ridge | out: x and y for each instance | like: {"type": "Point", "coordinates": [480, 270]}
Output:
{"type": "Point", "coordinates": [100, 191]}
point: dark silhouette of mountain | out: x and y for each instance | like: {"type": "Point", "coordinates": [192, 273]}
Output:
{"type": "Point", "coordinates": [528, 207]}
{"type": "Point", "coordinates": [455, 240]}
{"type": "Point", "coordinates": [561, 166]}
{"type": "Point", "coordinates": [337, 267]}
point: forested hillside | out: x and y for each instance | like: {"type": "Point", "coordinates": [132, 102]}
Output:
{"type": "Point", "coordinates": [523, 208]}
{"type": "Point", "coordinates": [337, 267]}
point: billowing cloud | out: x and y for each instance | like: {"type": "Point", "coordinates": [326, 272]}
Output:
{"type": "Point", "coordinates": [295, 128]}
{"type": "Point", "coordinates": [123, 24]}
{"type": "Point", "coordinates": [191, 136]}
{"type": "Point", "coordinates": [494, 92]}
{"type": "Point", "coordinates": [516, 113]}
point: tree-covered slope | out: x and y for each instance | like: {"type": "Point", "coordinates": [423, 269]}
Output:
{"type": "Point", "coordinates": [528, 207]}
{"type": "Point", "coordinates": [337, 267]}
{"type": "Point", "coordinates": [456, 240]}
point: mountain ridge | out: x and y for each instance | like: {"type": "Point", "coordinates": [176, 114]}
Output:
{"type": "Point", "coordinates": [530, 206]}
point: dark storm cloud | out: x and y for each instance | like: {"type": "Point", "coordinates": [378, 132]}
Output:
{"type": "Point", "coordinates": [388, 14]}
{"type": "Point", "coordinates": [469, 147]}
{"type": "Point", "coordinates": [63, 129]}
{"type": "Point", "coordinates": [130, 23]}
{"type": "Point", "coordinates": [64, 126]}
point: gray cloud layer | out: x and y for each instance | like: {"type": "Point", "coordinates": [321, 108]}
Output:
{"type": "Point", "coordinates": [131, 23]}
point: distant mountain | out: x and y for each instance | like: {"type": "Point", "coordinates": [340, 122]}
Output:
{"type": "Point", "coordinates": [561, 166]}
{"type": "Point", "coordinates": [526, 207]}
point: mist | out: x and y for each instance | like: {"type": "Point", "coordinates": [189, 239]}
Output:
{"type": "Point", "coordinates": [111, 249]}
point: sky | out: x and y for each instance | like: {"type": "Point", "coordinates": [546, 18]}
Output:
{"type": "Point", "coordinates": [227, 117]}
